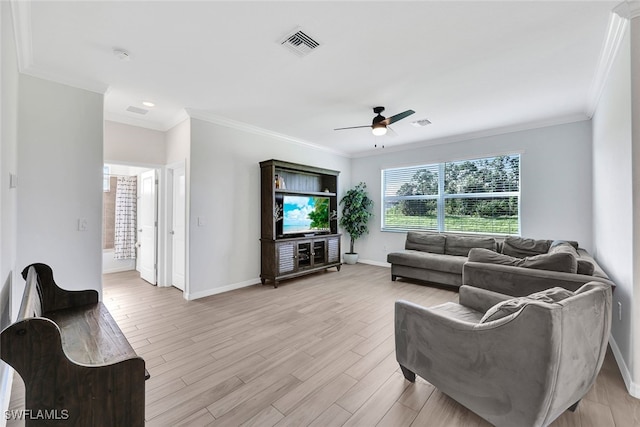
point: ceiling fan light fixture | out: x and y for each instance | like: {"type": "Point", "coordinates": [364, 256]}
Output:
{"type": "Point", "coordinates": [379, 129]}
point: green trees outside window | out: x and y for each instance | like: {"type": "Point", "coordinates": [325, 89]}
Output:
{"type": "Point", "coordinates": [481, 195]}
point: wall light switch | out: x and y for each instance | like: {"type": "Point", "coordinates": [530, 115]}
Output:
{"type": "Point", "coordinates": [82, 224]}
{"type": "Point", "coordinates": [201, 221]}
{"type": "Point", "coordinates": [13, 180]}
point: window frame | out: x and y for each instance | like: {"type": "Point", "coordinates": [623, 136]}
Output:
{"type": "Point", "coordinates": [442, 196]}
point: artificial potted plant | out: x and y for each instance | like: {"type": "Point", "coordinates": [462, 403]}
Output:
{"type": "Point", "coordinates": [356, 212]}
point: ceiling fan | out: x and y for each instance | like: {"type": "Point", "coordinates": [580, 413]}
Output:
{"type": "Point", "coordinates": [379, 124]}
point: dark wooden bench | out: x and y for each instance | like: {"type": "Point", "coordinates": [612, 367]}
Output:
{"type": "Point", "coordinates": [76, 364]}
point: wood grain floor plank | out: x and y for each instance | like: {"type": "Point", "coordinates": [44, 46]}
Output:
{"type": "Point", "coordinates": [318, 351]}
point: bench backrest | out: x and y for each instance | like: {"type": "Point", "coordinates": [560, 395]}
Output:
{"type": "Point", "coordinates": [31, 305]}
{"type": "Point", "coordinates": [42, 289]}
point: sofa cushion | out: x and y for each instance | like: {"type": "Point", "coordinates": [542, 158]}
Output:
{"type": "Point", "coordinates": [461, 245]}
{"type": "Point", "coordinates": [562, 246]}
{"type": "Point", "coordinates": [573, 243]}
{"type": "Point", "coordinates": [558, 247]}
{"type": "Point", "coordinates": [425, 260]}
{"type": "Point", "coordinates": [426, 242]}
{"type": "Point", "coordinates": [510, 306]}
{"type": "Point", "coordinates": [586, 267]}
{"type": "Point", "coordinates": [521, 247]}
{"type": "Point", "coordinates": [562, 261]}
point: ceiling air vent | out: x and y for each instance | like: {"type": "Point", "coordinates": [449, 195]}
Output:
{"type": "Point", "coordinates": [299, 42]}
{"type": "Point", "coordinates": [137, 110]}
{"type": "Point", "coordinates": [420, 123]}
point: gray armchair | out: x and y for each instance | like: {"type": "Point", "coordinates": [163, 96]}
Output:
{"type": "Point", "coordinates": [523, 369]}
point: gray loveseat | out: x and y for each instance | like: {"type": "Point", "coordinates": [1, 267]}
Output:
{"type": "Point", "coordinates": [512, 265]}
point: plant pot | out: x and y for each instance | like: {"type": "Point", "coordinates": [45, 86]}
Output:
{"type": "Point", "coordinates": [350, 258]}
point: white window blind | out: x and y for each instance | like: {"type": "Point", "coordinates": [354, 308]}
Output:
{"type": "Point", "coordinates": [475, 196]}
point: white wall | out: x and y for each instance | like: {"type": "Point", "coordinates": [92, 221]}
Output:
{"type": "Point", "coordinates": [8, 165]}
{"type": "Point", "coordinates": [133, 145]}
{"type": "Point", "coordinates": [178, 140]}
{"type": "Point", "coordinates": [612, 193]}
{"type": "Point", "coordinates": [9, 148]}
{"type": "Point", "coordinates": [555, 182]}
{"type": "Point", "coordinates": [225, 194]}
{"type": "Point", "coordinates": [60, 163]}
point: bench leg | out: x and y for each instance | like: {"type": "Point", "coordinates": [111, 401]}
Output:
{"type": "Point", "coordinates": [393, 277]}
{"type": "Point", "coordinates": [410, 376]}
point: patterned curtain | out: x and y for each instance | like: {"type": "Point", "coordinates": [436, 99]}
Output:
{"type": "Point", "coordinates": [125, 232]}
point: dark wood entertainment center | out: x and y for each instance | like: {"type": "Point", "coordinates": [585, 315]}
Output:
{"type": "Point", "coordinates": [289, 255]}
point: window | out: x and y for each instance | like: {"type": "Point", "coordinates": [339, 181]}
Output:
{"type": "Point", "coordinates": [474, 196]}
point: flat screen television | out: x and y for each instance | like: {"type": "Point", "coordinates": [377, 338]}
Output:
{"type": "Point", "coordinates": [305, 214]}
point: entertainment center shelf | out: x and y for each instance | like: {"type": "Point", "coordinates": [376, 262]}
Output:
{"type": "Point", "coordinates": [306, 193]}
{"type": "Point", "coordinates": [299, 225]}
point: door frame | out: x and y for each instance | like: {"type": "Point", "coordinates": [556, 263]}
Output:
{"type": "Point", "coordinates": [156, 221]}
{"type": "Point", "coordinates": [165, 273]}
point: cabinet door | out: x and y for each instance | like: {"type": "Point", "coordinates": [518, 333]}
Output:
{"type": "Point", "coordinates": [286, 257]}
{"type": "Point", "coordinates": [319, 252]}
{"type": "Point", "coordinates": [305, 254]}
{"type": "Point", "coordinates": [333, 249]}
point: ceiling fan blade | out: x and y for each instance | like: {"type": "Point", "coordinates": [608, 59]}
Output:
{"type": "Point", "coordinates": [391, 133]}
{"type": "Point", "coordinates": [354, 127]}
{"type": "Point", "coordinates": [398, 116]}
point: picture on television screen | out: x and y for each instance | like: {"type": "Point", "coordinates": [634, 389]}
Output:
{"type": "Point", "coordinates": [305, 214]}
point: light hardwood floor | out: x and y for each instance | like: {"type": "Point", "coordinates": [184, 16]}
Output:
{"type": "Point", "coordinates": [317, 351]}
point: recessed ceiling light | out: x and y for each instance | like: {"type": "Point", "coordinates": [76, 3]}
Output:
{"type": "Point", "coordinates": [148, 104]}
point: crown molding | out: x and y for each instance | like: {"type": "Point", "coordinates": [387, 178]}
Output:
{"type": "Point", "coordinates": [616, 29]}
{"type": "Point", "coordinates": [628, 9]}
{"type": "Point", "coordinates": [469, 136]}
{"type": "Point", "coordinates": [21, 14]}
{"type": "Point", "coordinates": [634, 9]}
{"type": "Point", "coordinates": [234, 124]}
{"type": "Point", "coordinates": [147, 124]}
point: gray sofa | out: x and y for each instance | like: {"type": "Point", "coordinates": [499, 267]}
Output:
{"type": "Point", "coordinates": [512, 265]}
{"type": "Point", "coordinates": [513, 361]}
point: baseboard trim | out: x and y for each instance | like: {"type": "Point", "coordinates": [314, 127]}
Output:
{"type": "Point", "coordinates": [632, 387]}
{"type": "Point", "coordinates": [6, 382]}
{"type": "Point", "coordinates": [218, 290]}
{"type": "Point", "coordinates": [376, 263]}
{"type": "Point", "coordinates": [118, 269]}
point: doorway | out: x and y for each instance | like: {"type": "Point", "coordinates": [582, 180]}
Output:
{"type": "Point", "coordinates": [160, 227]}
{"type": "Point", "coordinates": [176, 239]}
{"type": "Point", "coordinates": [121, 220]}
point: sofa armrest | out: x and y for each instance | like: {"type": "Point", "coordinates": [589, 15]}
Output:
{"type": "Point", "coordinates": [520, 281]}
{"type": "Point", "coordinates": [480, 299]}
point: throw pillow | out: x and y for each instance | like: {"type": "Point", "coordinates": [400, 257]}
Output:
{"type": "Point", "coordinates": [510, 306]}
{"type": "Point", "coordinates": [520, 247]}
{"type": "Point", "coordinates": [586, 267]}
{"type": "Point", "coordinates": [562, 262]}
{"type": "Point", "coordinates": [560, 242]}
{"type": "Point", "coordinates": [504, 308]}
{"type": "Point", "coordinates": [558, 247]}
{"type": "Point", "coordinates": [491, 257]}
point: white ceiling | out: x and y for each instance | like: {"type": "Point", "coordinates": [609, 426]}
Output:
{"type": "Point", "coordinates": [468, 67]}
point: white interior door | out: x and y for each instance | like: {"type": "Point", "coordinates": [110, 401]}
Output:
{"type": "Point", "coordinates": [178, 229]}
{"type": "Point", "coordinates": [147, 227]}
